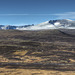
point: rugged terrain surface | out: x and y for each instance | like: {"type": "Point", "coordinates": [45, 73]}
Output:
{"type": "Point", "coordinates": [43, 52]}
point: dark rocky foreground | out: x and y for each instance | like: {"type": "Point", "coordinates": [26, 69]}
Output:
{"type": "Point", "coordinates": [44, 49]}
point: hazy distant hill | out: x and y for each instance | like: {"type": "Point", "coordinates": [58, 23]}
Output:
{"type": "Point", "coordinates": [5, 27]}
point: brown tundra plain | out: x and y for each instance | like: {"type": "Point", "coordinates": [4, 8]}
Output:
{"type": "Point", "coordinates": [43, 52]}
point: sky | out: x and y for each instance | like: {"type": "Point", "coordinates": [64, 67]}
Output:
{"type": "Point", "coordinates": [24, 12]}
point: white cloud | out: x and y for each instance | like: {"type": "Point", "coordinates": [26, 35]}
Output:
{"type": "Point", "coordinates": [66, 15]}
{"type": "Point", "coordinates": [13, 14]}
{"type": "Point", "coordinates": [21, 14]}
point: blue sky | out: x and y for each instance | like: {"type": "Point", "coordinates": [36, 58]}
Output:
{"type": "Point", "coordinates": [21, 12]}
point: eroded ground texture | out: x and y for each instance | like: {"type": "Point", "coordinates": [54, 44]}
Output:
{"type": "Point", "coordinates": [44, 52]}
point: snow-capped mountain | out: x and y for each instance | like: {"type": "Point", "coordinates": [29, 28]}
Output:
{"type": "Point", "coordinates": [52, 24]}
{"type": "Point", "coordinates": [44, 25]}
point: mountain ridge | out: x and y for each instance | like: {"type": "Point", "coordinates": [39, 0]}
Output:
{"type": "Point", "coordinates": [51, 24]}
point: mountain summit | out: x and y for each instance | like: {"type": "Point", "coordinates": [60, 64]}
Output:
{"type": "Point", "coordinates": [53, 24]}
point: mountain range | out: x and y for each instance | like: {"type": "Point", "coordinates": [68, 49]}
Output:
{"type": "Point", "coordinates": [52, 24]}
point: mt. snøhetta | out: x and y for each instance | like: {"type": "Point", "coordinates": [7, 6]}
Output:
{"type": "Point", "coordinates": [52, 24]}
